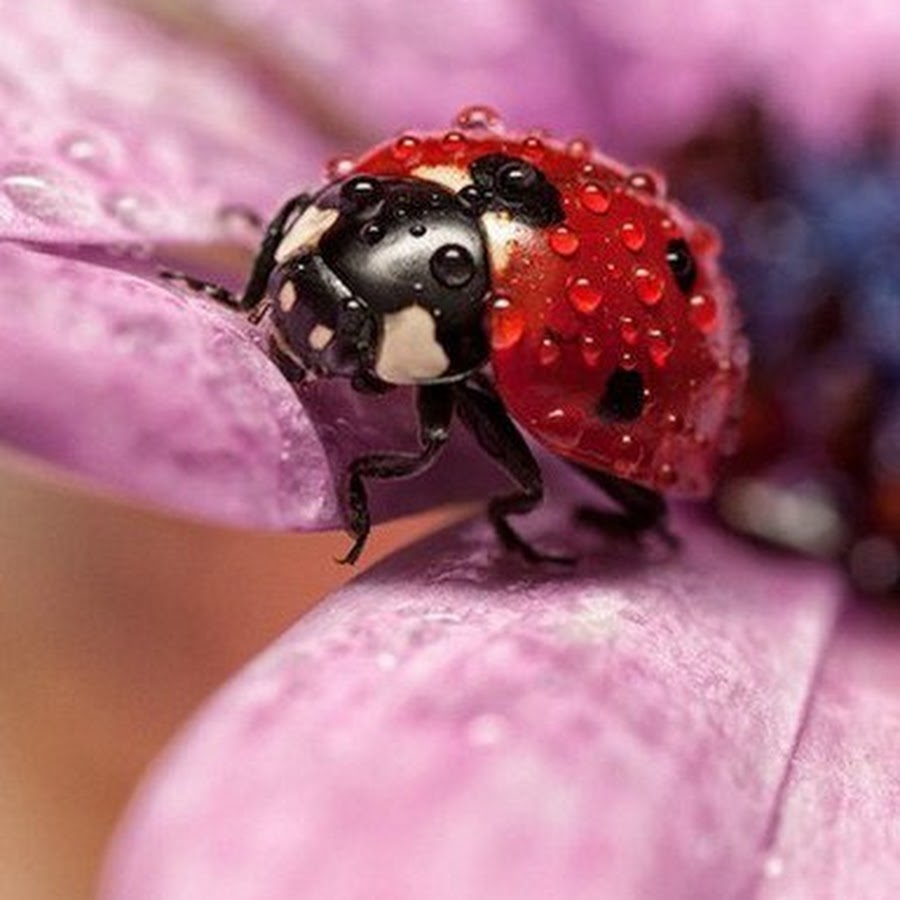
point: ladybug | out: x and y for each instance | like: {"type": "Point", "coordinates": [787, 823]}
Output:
{"type": "Point", "coordinates": [518, 284]}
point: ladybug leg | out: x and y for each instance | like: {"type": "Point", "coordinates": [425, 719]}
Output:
{"type": "Point", "coordinates": [484, 415]}
{"type": "Point", "coordinates": [642, 509]}
{"type": "Point", "coordinates": [265, 263]}
{"type": "Point", "coordinates": [435, 405]}
{"type": "Point", "coordinates": [254, 292]}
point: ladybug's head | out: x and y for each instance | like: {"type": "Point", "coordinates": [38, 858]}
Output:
{"type": "Point", "coordinates": [383, 278]}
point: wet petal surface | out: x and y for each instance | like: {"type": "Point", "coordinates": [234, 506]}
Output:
{"type": "Point", "coordinates": [454, 724]}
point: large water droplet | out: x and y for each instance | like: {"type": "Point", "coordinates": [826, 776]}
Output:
{"type": "Point", "coordinates": [452, 265]}
{"type": "Point", "coordinates": [633, 236]}
{"type": "Point", "coordinates": [595, 198]}
{"type": "Point", "coordinates": [407, 148]}
{"type": "Point", "coordinates": [479, 117]}
{"type": "Point", "coordinates": [563, 426]}
{"type": "Point", "coordinates": [47, 196]}
{"type": "Point", "coordinates": [564, 241]}
{"type": "Point", "coordinates": [648, 286]}
{"type": "Point", "coordinates": [584, 296]}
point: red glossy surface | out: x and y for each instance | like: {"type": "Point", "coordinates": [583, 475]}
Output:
{"type": "Point", "coordinates": [576, 301]}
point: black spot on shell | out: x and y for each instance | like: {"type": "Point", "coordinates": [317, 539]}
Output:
{"type": "Point", "coordinates": [682, 264]}
{"type": "Point", "coordinates": [623, 398]}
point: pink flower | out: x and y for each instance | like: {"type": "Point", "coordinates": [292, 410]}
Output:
{"type": "Point", "coordinates": [453, 723]}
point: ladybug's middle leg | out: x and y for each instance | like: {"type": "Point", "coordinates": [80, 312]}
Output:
{"type": "Point", "coordinates": [643, 509]}
{"type": "Point", "coordinates": [435, 408]}
{"type": "Point", "coordinates": [484, 415]}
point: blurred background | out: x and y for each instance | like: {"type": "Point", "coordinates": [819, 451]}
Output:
{"type": "Point", "coordinates": [778, 121]}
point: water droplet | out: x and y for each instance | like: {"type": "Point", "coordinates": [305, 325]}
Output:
{"type": "Point", "coordinates": [372, 232]}
{"type": "Point", "coordinates": [548, 352]}
{"type": "Point", "coordinates": [646, 183]}
{"type": "Point", "coordinates": [633, 236]}
{"type": "Point", "coordinates": [563, 427]}
{"type": "Point", "coordinates": [659, 347]}
{"type": "Point", "coordinates": [46, 196]}
{"type": "Point", "coordinates": [453, 140]}
{"type": "Point", "coordinates": [590, 350]}
{"type": "Point", "coordinates": [703, 312]}
{"type": "Point", "coordinates": [666, 476]}
{"type": "Point", "coordinates": [135, 211]}
{"type": "Point", "coordinates": [507, 324]}
{"type": "Point", "coordinates": [629, 453]}
{"type": "Point", "coordinates": [584, 296]}
{"type": "Point", "coordinates": [418, 230]}
{"type": "Point", "coordinates": [533, 147]}
{"type": "Point", "coordinates": [86, 152]}
{"type": "Point", "coordinates": [564, 241]}
{"type": "Point", "coordinates": [648, 286]}
{"type": "Point", "coordinates": [452, 265]}
{"type": "Point", "coordinates": [579, 148]}
{"type": "Point", "coordinates": [595, 197]}
{"type": "Point", "coordinates": [339, 167]}
{"type": "Point", "coordinates": [406, 148]}
{"type": "Point", "coordinates": [479, 118]}
{"type": "Point", "coordinates": [674, 422]}
{"type": "Point", "coordinates": [629, 330]}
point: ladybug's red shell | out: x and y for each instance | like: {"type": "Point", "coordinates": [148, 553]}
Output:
{"type": "Point", "coordinates": [592, 298]}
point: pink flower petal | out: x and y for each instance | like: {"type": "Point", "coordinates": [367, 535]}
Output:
{"type": "Point", "coordinates": [838, 831]}
{"type": "Point", "coordinates": [172, 399]}
{"type": "Point", "coordinates": [633, 76]}
{"type": "Point", "coordinates": [112, 131]}
{"type": "Point", "coordinates": [455, 724]}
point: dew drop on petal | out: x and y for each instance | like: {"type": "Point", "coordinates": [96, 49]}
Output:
{"type": "Point", "coordinates": [584, 296]}
{"type": "Point", "coordinates": [479, 118]}
{"type": "Point", "coordinates": [563, 241]}
{"type": "Point", "coordinates": [633, 236]}
{"type": "Point", "coordinates": [507, 324]}
{"type": "Point", "coordinates": [703, 312]}
{"type": "Point", "coordinates": [648, 286]}
{"type": "Point", "coordinates": [46, 196]}
{"type": "Point", "coordinates": [595, 198]}
{"type": "Point", "coordinates": [86, 152]}
{"type": "Point", "coordinates": [137, 212]}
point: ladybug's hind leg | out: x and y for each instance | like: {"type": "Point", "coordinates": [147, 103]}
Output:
{"type": "Point", "coordinates": [643, 510]}
{"type": "Point", "coordinates": [435, 408]}
{"type": "Point", "coordinates": [484, 415]}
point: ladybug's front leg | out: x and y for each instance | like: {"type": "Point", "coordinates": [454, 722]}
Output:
{"type": "Point", "coordinates": [435, 405]}
{"type": "Point", "coordinates": [484, 415]}
{"type": "Point", "coordinates": [265, 261]}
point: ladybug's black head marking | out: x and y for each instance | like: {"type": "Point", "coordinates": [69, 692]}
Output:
{"type": "Point", "coordinates": [682, 264]}
{"type": "Point", "coordinates": [503, 182]}
{"type": "Point", "coordinates": [623, 398]}
{"type": "Point", "coordinates": [391, 287]}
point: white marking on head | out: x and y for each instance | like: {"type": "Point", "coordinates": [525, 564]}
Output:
{"type": "Point", "coordinates": [409, 352]}
{"type": "Point", "coordinates": [306, 232]}
{"type": "Point", "coordinates": [453, 177]}
{"type": "Point", "coordinates": [504, 236]}
{"type": "Point", "coordinates": [287, 297]}
{"type": "Point", "coordinates": [320, 337]}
